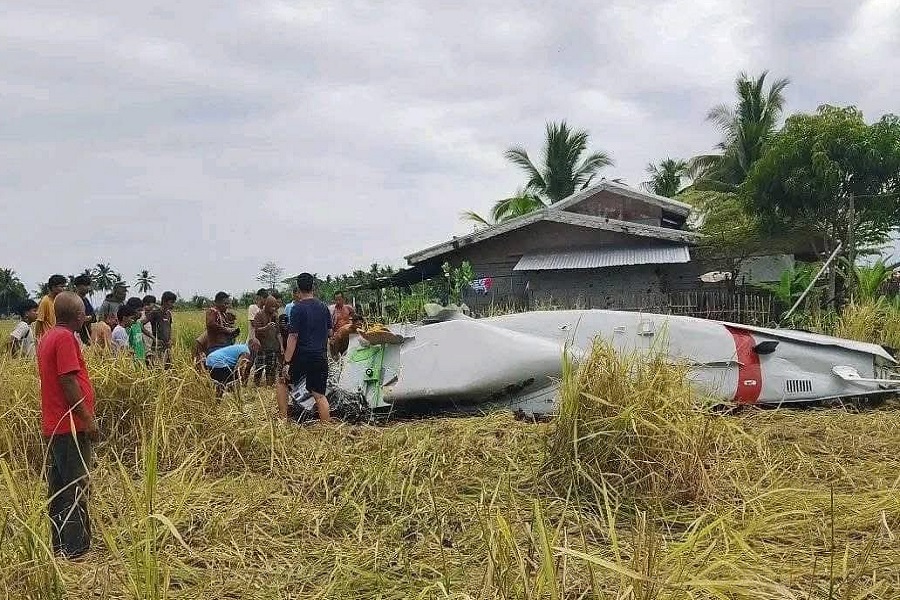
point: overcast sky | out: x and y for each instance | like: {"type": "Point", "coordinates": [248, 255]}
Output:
{"type": "Point", "coordinates": [200, 139]}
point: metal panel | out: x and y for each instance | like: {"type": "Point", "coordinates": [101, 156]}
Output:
{"type": "Point", "coordinates": [596, 258]}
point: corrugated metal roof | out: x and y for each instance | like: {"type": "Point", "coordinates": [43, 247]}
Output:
{"type": "Point", "coordinates": [595, 258]}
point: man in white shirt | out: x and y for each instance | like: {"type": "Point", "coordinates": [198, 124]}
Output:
{"type": "Point", "coordinates": [253, 309]}
{"type": "Point", "coordinates": [21, 339]}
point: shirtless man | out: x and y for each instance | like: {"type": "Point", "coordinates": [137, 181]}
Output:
{"type": "Point", "coordinates": [342, 313]}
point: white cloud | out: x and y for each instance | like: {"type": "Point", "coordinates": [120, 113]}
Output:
{"type": "Point", "coordinates": [200, 140]}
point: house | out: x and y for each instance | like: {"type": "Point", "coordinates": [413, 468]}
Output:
{"type": "Point", "coordinates": [600, 243]}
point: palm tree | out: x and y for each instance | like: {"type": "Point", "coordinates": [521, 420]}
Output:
{"type": "Point", "coordinates": [517, 205]}
{"type": "Point", "coordinates": [145, 281]}
{"type": "Point", "coordinates": [104, 277]}
{"type": "Point", "coordinates": [746, 129]}
{"type": "Point", "coordinates": [12, 291]}
{"type": "Point", "coordinates": [665, 178]}
{"type": "Point", "coordinates": [563, 168]}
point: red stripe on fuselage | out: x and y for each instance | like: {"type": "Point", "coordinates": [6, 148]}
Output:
{"type": "Point", "coordinates": [749, 384]}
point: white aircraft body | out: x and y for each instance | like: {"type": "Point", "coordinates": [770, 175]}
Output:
{"type": "Point", "coordinates": [516, 360]}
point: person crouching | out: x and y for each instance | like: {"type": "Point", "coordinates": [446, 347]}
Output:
{"type": "Point", "coordinates": [230, 364]}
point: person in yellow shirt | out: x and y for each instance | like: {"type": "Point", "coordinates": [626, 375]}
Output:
{"type": "Point", "coordinates": [46, 317]}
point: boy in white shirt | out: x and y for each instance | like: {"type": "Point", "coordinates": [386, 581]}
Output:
{"type": "Point", "coordinates": [21, 339]}
{"type": "Point", "coordinates": [120, 333]}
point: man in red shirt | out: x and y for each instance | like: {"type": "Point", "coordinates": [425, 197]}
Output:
{"type": "Point", "coordinates": [67, 421]}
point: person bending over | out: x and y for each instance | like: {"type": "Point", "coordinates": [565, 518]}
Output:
{"type": "Point", "coordinates": [231, 363]}
{"type": "Point", "coordinates": [340, 339]}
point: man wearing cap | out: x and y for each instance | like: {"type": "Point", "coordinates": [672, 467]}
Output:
{"type": "Point", "coordinates": [112, 301]}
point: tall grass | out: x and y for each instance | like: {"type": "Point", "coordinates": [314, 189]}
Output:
{"type": "Point", "coordinates": [875, 321]}
{"type": "Point", "coordinates": [633, 424]}
{"type": "Point", "coordinates": [634, 493]}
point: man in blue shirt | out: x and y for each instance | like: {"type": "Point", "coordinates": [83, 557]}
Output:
{"type": "Point", "coordinates": [296, 297]}
{"type": "Point", "coordinates": [230, 363]}
{"type": "Point", "coordinates": [305, 356]}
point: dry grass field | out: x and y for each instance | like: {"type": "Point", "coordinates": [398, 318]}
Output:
{"type": "Point", "coordinates": [634, 492]}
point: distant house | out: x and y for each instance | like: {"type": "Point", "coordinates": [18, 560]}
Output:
{"type": "Point", "coordinates": [599, 243]}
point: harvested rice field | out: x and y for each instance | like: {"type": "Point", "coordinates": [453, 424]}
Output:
{"type": "Point", "coordinates": [635, 492]}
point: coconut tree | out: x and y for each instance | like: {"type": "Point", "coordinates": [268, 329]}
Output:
{"type": "Point", "coordinates": [666, 177]}
{"type": "Point", "coordinates": [104, 277]}
{"type": "Point", "coordinates": [565, 166]}
{"type": "Point", "coordinates": [517, 205]}
{"type": "Point", "coordinates": [746, 129]}
{"type": "Point", "coordinates": [145, 281]}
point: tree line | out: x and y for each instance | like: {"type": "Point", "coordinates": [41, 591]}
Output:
{"type": "Point", "coordinates": [103, 277]}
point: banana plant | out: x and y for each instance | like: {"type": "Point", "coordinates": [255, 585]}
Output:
{"type": "Point", "coordinates": [791, 284]}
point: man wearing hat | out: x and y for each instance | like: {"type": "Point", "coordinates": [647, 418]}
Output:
{"type": "Point", "coordinates": [112, 301]}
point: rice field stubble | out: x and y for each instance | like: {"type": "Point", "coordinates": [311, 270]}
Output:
{"type": "Point", "coordinates": [633, 492]}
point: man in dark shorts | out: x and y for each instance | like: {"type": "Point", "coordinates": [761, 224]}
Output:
{"type": "Point", "coordinates": [231, 364]}
{"type": "Point", "coordinates": [306, 354]}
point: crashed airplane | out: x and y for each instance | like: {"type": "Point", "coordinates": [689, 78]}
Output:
{"type": "Point", "coordinates": [515, 360]}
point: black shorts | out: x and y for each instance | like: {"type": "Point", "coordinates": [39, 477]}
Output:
{"type": "Point", "coordinates": [312, 368]}
{"type": "Point", "coordinates": [223, 375]}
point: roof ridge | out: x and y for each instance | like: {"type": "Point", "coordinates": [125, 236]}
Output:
{"type": "Point", "coordinates": [626, 190]}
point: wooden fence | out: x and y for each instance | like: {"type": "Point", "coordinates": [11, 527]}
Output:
{"type": "Point", "coordinates": [747, 307]}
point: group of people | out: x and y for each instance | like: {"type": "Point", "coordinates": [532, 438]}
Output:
{"type": "Point", "coordinates": [140, 327]}
{"type": "Point", "coordinates": [296, 342]}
